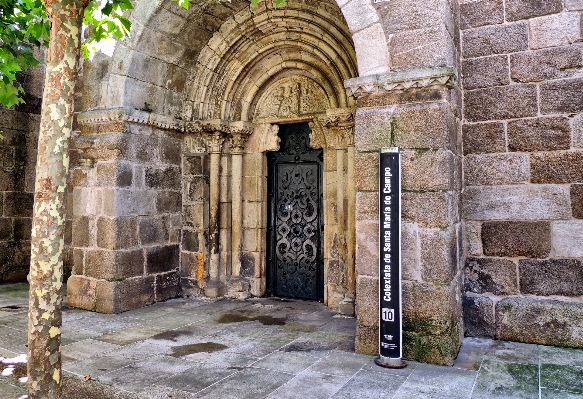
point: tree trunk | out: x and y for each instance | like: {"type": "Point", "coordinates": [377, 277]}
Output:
{"type": "Point", "coordinates": [46, 266]}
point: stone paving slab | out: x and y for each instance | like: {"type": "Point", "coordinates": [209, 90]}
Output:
{"type": "Point", "coordinates": [269, 348]}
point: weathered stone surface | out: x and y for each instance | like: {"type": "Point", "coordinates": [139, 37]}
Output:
{"type": "Point", "coordinates": [485, 72]}
{"type": "Point", "coordinates": [505, 102]}
{"type": "Point", "coordinates": [541, 65]}
{"type": "Point", "coordinates": [194, 165]}
{"type": "Point", "coordinates": [81, 292]}
{"type": "Point", "coordinates": [163, 178]}
{"type": "Point", "coordinates": [544, 322]}
{"type": "Point", "coordinates": [125, 202]}
{"type": "Point", "coordinates": [362, 15]}
{"type": "Point", "coordinates": [114, 265]}
{"type": "Point", "coordinates": [408, 96]}
{"type": "Point", "coordinates": [5, 229]}
{"type": "Point", "coordinates": [561, 96]}
{"type": "Point", "coordinates": [167, 286]}
{"type": "Point", "coordinates": [190, 241]}
{"type": "Point", "coordinates": [18, 204]}
{"type": "Point", "coordinates": [367, 300]}
{"type": "Point", "coordinates": [367, 248]}
{"type": "Point", "coordinates": [367, 206]}
{"type": "Point", "coordinates": [567, 237]}
{"type": "Point", "coordinates": [496, 169]}
{"type": "Point", "coordinates": [410, 252]}
{"type": "Point", "coordinates": [366, 171]}
{"type": "Point", "coordinates": [511, 239]}
{"type": "Point", "coordinates": [427, 170]}
{"type": "Point", "coordinates": [168, 202]}
{"type": "Point", "coordinates": [574, 5]}
{"type": "Point", "coordinates": [516, 202]}
{"type": "Point", "coordinates": [105, 147]}
{"type": "Point", "coordinates": [152, 231]}
{"type": "Point", "coordinates": [117, 233]}
{"type": "Point", "coordinates": [472, 238]}
{"type": "Point", "coordinates": [419, 48]}
{"type": "Point", "coordinates": [430, 309]}
{"type": "Point", "coordinates": [438, 349]}
{"type": "Point", "coordinates": [438, 250]}
{"type": "Point", "coordinates": [114, 174]}
{"type": "Point", "coordinates": [162, 259]}
{"type": "Point", "coordinates": [524, 9]}
{"type": "Point", "coordinates": [429, 209]}
{"type": "Point", "coordinates": [490, 275]}
{"type": "Point", "coordinates": [82, 236]}
{"type": "Point", "coordinates": [498, 39]}
{"type": "Point", "coordinates": [422, 125]}
{"type": "Point", "coordinates": [170, 150]}
{"type": "Point", "coordinates": [551, 277]}
{"type": "Point", "coordinates": [481, 138]}
{"type": "Point", "coordinates": [479, 318]}
{"type": "Point", "coordinates": [120, 296]}
{"type": "Point", "coordinates": [556, 167]}
{"type": "Point", "coordinates": [474, 14]}
{"type": "Point", "coordinates": [578, 131]}
{"type": "Point", "coordinates": [426, 125]}
{"type": "Point", "coordinates": [367, 340]}
{"type": "Point", "coordinates": [555, 30]}
{"type": "Point", "coordinates": [577, 200]}
{"type": "Point", "coordinates": [540, 134]}
{"type": "Point", "coordinates": [374, 57]}
{"type": "Point", "coordinates": [401, 15]}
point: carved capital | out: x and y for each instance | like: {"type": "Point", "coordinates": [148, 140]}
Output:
{"type": "Point", "coordinates": [317, 136]}
{"type": "Point", "coordinates": [214, 142]}
{"type": "Point", "coordinates": [237, 142]}
{"type": "Point", "coordinates": [195, 144]}
{"type": "Point", "coordinates": [215, 131]}
{"type": "Point", "coordinates": [333, 130]}
{"type": "Point", "coordinates": [340, 124]}
{"type": "Point", "coordinates": [264, 138]}
{"type": "Point", "coordinates": [415, 78]}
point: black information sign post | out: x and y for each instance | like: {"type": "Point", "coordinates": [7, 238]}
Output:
{"type": "Point", "coordinates": [390, 322]}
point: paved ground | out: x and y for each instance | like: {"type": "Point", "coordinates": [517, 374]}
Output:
{"type": "Point", "coordinates": [269, 348]}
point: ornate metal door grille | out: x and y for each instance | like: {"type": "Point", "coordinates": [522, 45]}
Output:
{"type": "Point", "coordinates": [295, 266]}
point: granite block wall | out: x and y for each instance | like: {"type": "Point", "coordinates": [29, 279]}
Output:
{"type": "Point", "coordinates": [19, 130]}
{"type": "Point", "coordinates": [522, 128]}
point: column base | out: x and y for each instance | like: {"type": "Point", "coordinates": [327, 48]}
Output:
{"type": "Point", "coordinates": [238, 288]}
{"type": "Point", "coordinates": [215, 289]}
{"type": "Point", "coordinates": [346, 306]}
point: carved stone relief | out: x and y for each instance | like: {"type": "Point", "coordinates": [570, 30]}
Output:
{"type": "Point", "coordinates": [264, 138]}
{"type": "Point", "coordinates": [292, 97]}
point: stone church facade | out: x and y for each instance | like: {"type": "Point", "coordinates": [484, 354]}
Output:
{"type": "Point", "coordinates": [232, 151]}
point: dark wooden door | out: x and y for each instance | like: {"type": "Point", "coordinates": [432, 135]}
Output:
{"type": "Point", "coordinates": [295, 225]}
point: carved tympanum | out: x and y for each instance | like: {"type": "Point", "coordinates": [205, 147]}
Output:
{"type": "Point", "coordinates": [291, 97]}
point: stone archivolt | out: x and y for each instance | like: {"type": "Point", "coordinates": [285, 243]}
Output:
{"type": "Point", "coordinates": [265, 65]}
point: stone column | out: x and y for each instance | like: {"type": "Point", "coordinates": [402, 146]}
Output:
{"type": "Point", "coordinates": [215, 136]}
{"type": "Point", "coordinates": [335, 133]}
{"type": "Point", "coordinates": [240, 132]}
{"type": "Point", "coordinates": [340, 134]}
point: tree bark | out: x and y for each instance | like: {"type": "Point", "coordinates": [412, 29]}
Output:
{"type": "Point", "coordinates": [46, 266]}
